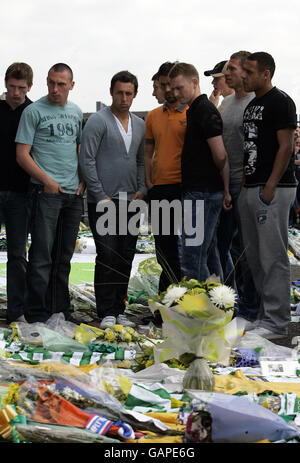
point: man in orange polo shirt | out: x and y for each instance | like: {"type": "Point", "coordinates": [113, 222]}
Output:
{"type": "Point", "coordinates": [165, 130]}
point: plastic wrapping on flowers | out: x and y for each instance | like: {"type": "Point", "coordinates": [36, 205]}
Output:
{"type": "Point", "coordinates": [197, 319]}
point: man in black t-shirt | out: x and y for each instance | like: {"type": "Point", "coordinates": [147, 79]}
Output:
{"type": "Point", "coordinates": [13, 187]}
{"type": "Point", "coordinates": [203, 160]}
{"type": "Point", "coordinates": [268, 192]}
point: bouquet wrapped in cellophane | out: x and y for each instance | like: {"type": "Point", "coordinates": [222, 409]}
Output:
{"type": "Point", "coordinates": [197, 319]}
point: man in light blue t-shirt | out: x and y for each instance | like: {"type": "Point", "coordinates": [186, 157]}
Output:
{"type": "Point", "coordinates": [48, 141]}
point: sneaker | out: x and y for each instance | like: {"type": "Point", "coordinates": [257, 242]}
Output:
{"type": "Point", "coordinates": [123, 320]}
{"type": "Point", "coordinates": [108, 322]}
{"type": "Point", "coordinates": [267, 334]}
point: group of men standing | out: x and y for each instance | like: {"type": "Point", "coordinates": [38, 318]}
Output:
{"type": "Point", "coordinates": [234, 158]}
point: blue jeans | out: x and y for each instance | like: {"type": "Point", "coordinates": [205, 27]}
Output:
{"type": "Point", "coordinates": [115, 254]}
{"type": "Point", "coordinates": [54, 228]}
{"type": "Point", "coordinates": [201, 261]}
{"type": "Point", "coordinates": [14, 214]}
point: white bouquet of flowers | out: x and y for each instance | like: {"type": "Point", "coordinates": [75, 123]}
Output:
{"type": "Point", "coordinates": [197, 319]}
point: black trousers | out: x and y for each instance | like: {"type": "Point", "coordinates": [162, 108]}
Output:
{"type": "Point", "coordinates": [167, 246]}
{"type": "Point", "coordinates": [114, 256]}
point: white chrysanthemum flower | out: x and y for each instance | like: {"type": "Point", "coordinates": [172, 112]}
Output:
{"type": "Point", "coordinates": [222, 296]}
{"type": "Point", "coordinates": [173, 295]}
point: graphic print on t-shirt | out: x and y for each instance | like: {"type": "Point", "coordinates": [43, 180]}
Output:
{"type": "Point", "coordinates": [251, 129]}
{"type": "Point", "coordinates": [59, 128]}
{"type": "Point", "coordinates": [263, 118]}
{"type": "Point", "coordinates": [252, 113]}
{"type": "Point", "coordinates": [250, 149]}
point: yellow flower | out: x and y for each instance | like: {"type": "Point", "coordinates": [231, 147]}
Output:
{"type": "Point", "coordinates": [118, 328]}
{"type": "Point", "coordinates": [110, 335]}
{"type": "Point", "coordinates": [129, 329]}
{"type": "Point", "coordinates": [12, 395]}
{"type": "Point", "coordinates": [195, 305]}
{"type": "Point", "coordinates": [126, 337]}
{"type": "Point", "coordinates": [149, 363]}
{"type": "Point", "coordinates": [175, 403]}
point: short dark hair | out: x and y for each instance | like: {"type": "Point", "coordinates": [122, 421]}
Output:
{"type": "Point", "coordinates": [20, 71]}
{"type": "Point", "coordinates": [185, 69]}
{"type": "Point", "coordinates": [264, 61]}
{"type": "Point", "coordinates": [61, 67]}
{"type": "Point", "coordinates": [241, 55]}
{"type": "Point", "coordinates": [126, 77]}
{"type": "Point", "coordinates": [155, 77]}
{"type": "Point", "coordinates": [165, 68]}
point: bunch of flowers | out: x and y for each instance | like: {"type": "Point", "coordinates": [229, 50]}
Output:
{"type": "Point", "coordinates": [221, 296]}
{"type": "Point", "coordinates": [119, 334]}
{"type": "Point", "coordinates": [197, 319]}
{"type": "Point", "coordinates": [145, 359]}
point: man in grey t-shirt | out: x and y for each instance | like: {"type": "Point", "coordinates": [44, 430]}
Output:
{"type": "Point", "coordinates": [229, 231]}
{"type": "Point", "coordinates": [48, 140]}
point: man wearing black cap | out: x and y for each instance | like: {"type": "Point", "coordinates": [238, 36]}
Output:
{"type": "Point", "coordinates": [219, 83]}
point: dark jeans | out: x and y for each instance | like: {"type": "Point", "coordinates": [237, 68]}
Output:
{"type": "Point", "coordinates": [167, 247]}
{"type": "Point", "coordinates": [115, 253]}
{"type": "Point", "coordinates": [54, 226]}
{"type": "Point", "coordinates": [14, 214]}
{"type": "Point", "coordinates": [227, 231]}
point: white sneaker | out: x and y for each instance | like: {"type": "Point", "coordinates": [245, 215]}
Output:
{"type": "Point", "coordinates": [123, 320]}
{"type": "Point", "coordinates": [267, 334]}
{"type": "Point", "coordinates": [108, 322]}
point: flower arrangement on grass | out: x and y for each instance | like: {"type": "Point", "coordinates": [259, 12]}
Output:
{"type": "Point", "coordinates": [197, 319]}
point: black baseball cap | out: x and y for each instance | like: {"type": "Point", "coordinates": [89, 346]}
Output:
{"type": "Point", "coordinates": [218, 70]}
